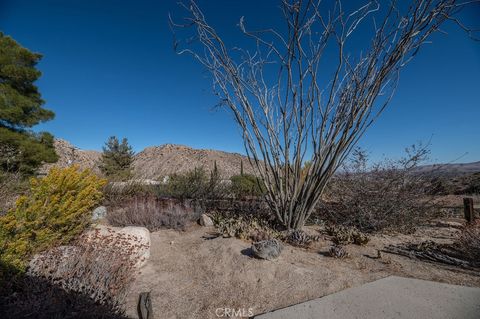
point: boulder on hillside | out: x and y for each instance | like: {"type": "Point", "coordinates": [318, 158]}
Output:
{"type": "Point", "coordinates": [205, 220]}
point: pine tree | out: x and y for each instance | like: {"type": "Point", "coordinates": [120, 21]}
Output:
{"type": "Point", "coordinates": [20, 109]}
{"type": "Point", "coordinates": [117, 159]}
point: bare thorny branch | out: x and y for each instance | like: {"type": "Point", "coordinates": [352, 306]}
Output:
{"type": "Point", "coordinates": [278, 96]}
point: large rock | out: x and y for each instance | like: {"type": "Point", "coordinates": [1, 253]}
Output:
{"type": "Point", "coordinates": [267, 249]}
{"type": "Point", "coordinates": [99, 213]}
{"type": "Point", "coordinates": [135, 240]}
{"type": "Point", "coordinates": [205, 220]}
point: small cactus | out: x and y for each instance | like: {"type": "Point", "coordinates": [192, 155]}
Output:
{"type": "Point", "coordinates": [300, 238]}
{"type": "Point", "coordinates": [347, 235]}
{"type": "Point", "coordinates": [337, 251]}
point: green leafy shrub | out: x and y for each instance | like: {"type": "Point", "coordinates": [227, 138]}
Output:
{"type": "Point", "coordinates": [246, 186]}
{"type": "Point", "coordinates": [196, 184]}
{"type": "Point", "coordinates": [56, 210]}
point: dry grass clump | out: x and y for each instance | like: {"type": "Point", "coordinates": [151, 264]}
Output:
{"type": "Point", "coordinates": [98, 266]}
{"type": "Point", "coordinates": [463, 252]}
{"type": "Point", "coordinates": [468, 242]}
{"type": "Point", "coordinates": [33, 297]}
{"type": "Point", "coordinates": [152, 212]}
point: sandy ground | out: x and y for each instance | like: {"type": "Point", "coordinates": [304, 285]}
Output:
{"type": "Point", "coordinates": [190, 276]}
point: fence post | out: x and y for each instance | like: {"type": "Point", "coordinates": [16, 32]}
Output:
{"type": "Point", "coordinates": [468, 209]}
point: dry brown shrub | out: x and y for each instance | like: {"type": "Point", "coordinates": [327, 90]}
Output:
{"type": "Point", "coordinates": [152, 212]}
{"type": "Point", "coordinates": [98, 266]}
{"type": "Point", "coordinates": [386, 196]}
{"type": "Point", "coordinates": [468, 242]}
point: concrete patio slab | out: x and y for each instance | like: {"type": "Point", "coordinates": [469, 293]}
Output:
{"type": "Point", "coordinates": [390, 298]}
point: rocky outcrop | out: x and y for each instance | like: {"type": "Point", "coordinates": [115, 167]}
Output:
{"type": "Point", "coordinates": [154, 164]}
{"type": "Point", "coordinates": [159, 161]}
{"type": "Point", "coordinates": [68, 155]}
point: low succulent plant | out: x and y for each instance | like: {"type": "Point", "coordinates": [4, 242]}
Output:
{"type": "Point", "coordinates": [347, 235]}
{"type": "Point", "coordinates": [337, 251]}
{"type": "Point", "coordinates": [300, 238]}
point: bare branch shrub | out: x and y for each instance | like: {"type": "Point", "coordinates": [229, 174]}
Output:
{"type": "Point", "coordinates": [98, 266]}
{"type": "Point", "coordinates": [388, 195]}
{"type": "Point", "coordinates": [26, 296]}
{"type": "Point", "coordinates": [153, 213]}
{"type": "Point", "coordinates": [468, 242]}
{"type": "Point", "coordinates": [294, 105]}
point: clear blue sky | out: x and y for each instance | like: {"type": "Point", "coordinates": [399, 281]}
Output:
{"type": "Point", "coordinates": [109, 69]}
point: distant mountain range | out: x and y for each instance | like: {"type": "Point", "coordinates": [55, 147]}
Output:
{"type": "Point", "coordinates": [450, 170]}
{"type": "Point", "coordinates": [158, 161]}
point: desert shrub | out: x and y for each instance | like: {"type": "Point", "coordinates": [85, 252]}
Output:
{"type": "Point", "coordinates": [55, 211]}
{"type": "Point", "coordinates": [244, 186]}
{"type": "Point", "coordinates": [468, 242]}
{"type": "Point", "coordinates": [152, 212]}
{"type": "Point", "coordinates": [98, 266]}
{"type": "Point", "coordinates": [342, 235]}
{"type": "Point", "coordinates": [244, 227]}
{"type": "Point", "coordinates": [194, 184]}
{"type": "Point", "coordinates": [33, 297]}
{"type": "Point", "coordinates": [387, 196]}
{"type": "Point", "coordinates": [119, 191]}
{"type": "Point", "coordinates": [299, 238]}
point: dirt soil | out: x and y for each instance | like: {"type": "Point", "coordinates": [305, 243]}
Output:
{"type": "Point", "coordinates": [190, 276]}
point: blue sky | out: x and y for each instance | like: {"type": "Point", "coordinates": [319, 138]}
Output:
{"type": "Point", "coordinates": [109, 69]}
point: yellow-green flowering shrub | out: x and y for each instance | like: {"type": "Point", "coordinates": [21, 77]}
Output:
{"type": "Point", "coordinates": [55, 211]}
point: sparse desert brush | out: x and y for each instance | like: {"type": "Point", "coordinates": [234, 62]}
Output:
{"type": "Point", "coordinates": [100, 266]}
{"type": "Point", "coordinates": [387, 196]}
{"type": "Point", "coordinates": [194, 184]}
{"type": "Point", "coordinates": [245, 227]}
{"type": "Point", "coordinates": [152, 212]}
{"type": "Point", "coordinates": [55, 211]}
{"type": "Point", "coordinates": [468, 241]}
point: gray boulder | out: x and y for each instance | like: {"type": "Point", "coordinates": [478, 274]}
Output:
{"type": "Point", "coordinates": [267, 249]}
{"type": "Point", "coordinates": [205, 220]}
{"type": "Point", "coordinates": [99, 213]}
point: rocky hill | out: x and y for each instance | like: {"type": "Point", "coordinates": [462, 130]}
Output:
{"type": "Point", "coordinates": [69, 154]}
{"type": "Point", "coordinates": [157, 161]}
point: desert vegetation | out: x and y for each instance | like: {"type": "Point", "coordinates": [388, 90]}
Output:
{"type": "Point", "coordinates": [310, 192]}
{"type": "Point", "coordinates": [285, 119]}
